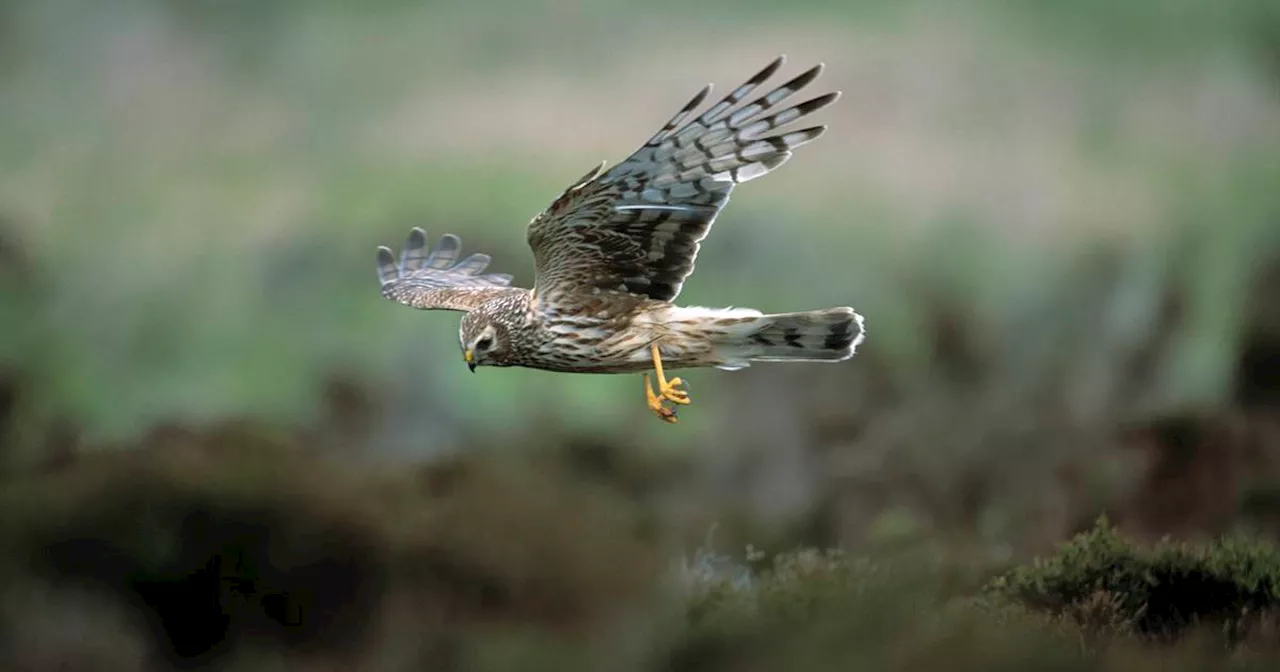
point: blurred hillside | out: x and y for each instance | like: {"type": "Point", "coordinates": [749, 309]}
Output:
{"type": "Point", "coordinates": [1060, 219]}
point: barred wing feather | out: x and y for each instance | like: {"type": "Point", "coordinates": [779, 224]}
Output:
{"type": "Point", "coordinates": [434, 279]}
{"type": "Point", "coordinates": [637, 227]}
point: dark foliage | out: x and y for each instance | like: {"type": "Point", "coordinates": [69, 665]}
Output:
{"type": "Point", "coordinates": [1108, 584]}
{"type": "Point", "coordinates": [215, 547]}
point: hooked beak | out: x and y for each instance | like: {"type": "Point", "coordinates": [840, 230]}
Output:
{"type": "Point", "coordinates": [471, 360]}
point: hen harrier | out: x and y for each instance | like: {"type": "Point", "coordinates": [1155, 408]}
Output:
{"type": "Point", "coordinates": [612, 252]}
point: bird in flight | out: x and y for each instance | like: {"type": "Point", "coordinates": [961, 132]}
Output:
{"type": "Point", "coordinates": [612, 252]}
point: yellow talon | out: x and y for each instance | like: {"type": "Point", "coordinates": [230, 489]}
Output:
{"type": "Point", "coordinates": [668, 390]}
{"type": "Point", "coordinates": [672, 392]}
{"type": "Point", "coordinates": [655, 403]}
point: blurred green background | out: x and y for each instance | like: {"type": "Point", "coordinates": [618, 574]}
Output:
{"type": "Point", "coordinates": [1060, 219]}
{"type": "Point", "coordinates": [1048, 212]}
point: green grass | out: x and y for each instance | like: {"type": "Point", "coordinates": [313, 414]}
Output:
{"type": "Point", "coordinates": [198, 186]}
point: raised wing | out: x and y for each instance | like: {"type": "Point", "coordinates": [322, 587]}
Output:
{"type": "Point", "coordinates": [637, 227]}
{"type": "Point", "coordinates": [434, 279]}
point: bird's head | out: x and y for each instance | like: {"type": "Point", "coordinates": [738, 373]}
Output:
{"type": "Point", "coordinates": [484, 341]}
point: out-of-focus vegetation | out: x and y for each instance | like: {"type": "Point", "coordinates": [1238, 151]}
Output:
{"type": "Point", "coordinates": [238, 549]}
{"type": "Point", "coordinates": [1060, 219]}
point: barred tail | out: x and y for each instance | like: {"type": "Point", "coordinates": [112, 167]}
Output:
{"type": "Point", "coordinates": [829, 335]}
{"type": "Point", "coordinates": [819, 335]}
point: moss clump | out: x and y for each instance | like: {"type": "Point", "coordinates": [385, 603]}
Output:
{"type": "Point", "coordinates": [826, 610]}
{"type": "Point", "coordinates": [1108, 584]}
{"type": "Point", "coordinates": [1100, 603]}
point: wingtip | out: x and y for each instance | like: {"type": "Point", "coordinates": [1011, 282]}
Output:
{"type": "Point", "coordinates": [386, 265]}
{"type": "Point", "coordinates": [700, 96]}
{"type": "Point", "coordinates": [385, 256]}
{"type": "Point", "coordinates": [773, 67]}
{"type": "Point", "coordinates": [822, 101]}
{"type": "Point", "coordinates": [814, 133]}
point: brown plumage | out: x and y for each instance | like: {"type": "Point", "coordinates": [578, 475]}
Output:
{"type": "Point", "coordinates": [614, 249]}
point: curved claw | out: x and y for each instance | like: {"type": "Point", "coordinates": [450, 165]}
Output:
{"type": "Point", "coordinates": [654, 401]}
{"type": "Point", "coordinates": [668, 390]}
{"type": "Point", "coordinates": [672, 391]}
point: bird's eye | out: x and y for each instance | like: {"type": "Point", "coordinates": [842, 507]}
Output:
{"type": "Point", "coordinates": [484, 343]}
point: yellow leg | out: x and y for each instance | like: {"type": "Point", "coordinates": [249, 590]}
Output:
{"type": "Point", "coordinates": [668, 390]}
